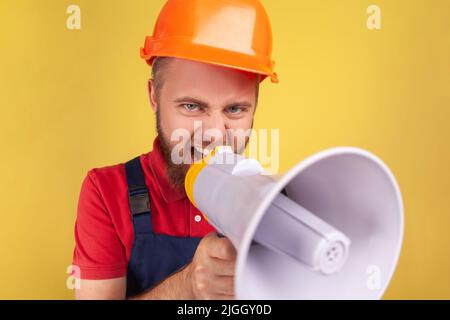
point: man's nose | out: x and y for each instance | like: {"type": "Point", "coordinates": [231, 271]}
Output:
{"type": "Point", "coordinates": [215, 128]}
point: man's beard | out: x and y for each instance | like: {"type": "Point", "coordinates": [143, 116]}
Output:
{"type": "Point", "coordinates": [176, 173]}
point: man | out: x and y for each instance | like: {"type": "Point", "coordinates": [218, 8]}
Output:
{"type": "Point", "coordinates": [137, 235]}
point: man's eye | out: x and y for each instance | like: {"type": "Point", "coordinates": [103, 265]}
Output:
{"type": "Point", "coordinates": [235, 110]}
{"type": "Point", "coordinates": [191, 107]}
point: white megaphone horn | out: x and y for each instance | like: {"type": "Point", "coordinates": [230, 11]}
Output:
{"type": "Point", "coordinates": [331, 228]}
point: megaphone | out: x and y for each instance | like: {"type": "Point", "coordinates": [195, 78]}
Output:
{"type": "Point", "coordinates": [330, 228]}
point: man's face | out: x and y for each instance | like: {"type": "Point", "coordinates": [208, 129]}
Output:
{"type": "Point", "coordinates": [209, 101]}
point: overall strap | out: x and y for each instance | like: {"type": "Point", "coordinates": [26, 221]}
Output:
{"type": "Point", "coordinates": [138, 197]}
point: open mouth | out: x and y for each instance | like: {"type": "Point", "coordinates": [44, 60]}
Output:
{"type": "Point", "coordinates": [198, 153]}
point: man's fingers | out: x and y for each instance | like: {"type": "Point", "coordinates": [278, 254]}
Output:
{"type": "Point", "coordinates": [214, 267]}
{"type": "Point", "coordinates": [221, 248]}
{"type": "Point", "coordinates": [222, 267]}
{"type": "Point", "coordinates": [223, 285]}
{"type": "Point", "coordinates": [222, 297]}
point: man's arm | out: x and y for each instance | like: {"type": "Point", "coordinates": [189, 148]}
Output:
{"type": "Point", "coordinates": [109, 289]}
{"type": "Point", "coordinates": [210, 275]}
{"type": "Point", "coordinates": [173, 288]}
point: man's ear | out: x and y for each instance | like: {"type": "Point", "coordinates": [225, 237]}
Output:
{"type": "Point", "coordinates": [152, 94]}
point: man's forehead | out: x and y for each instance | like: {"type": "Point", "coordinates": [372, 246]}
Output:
{"type": "Point", "coordinates": [199, 70]}
{"type": "Point", "coordinates": [215, 85]}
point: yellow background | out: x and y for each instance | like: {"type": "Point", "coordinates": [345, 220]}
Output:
{"type": "Point", "coordinates": [73, 100]}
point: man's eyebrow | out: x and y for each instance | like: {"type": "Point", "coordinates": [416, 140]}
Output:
{"type": "Point", "coordinates": [192, 99]}
{"type": "Point", "coordinates": [240, 104]}
{"type": "Point", "coordinates": [206, 105]}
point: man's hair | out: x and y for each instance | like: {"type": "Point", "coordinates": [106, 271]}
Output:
{"type": "Point", "coordinates": [158, 66]}
{"type": "Point", "coordinates": [161, 63]}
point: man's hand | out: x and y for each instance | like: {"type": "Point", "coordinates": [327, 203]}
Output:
{"type": "Point", "coordinates": [211, 272]}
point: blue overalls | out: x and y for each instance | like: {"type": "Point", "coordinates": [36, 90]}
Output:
{"type": "Point", "coordinates": [154, 256]}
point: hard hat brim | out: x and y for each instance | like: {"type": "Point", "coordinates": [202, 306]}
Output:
{"type": "Point", "coordinates": [185, 49]}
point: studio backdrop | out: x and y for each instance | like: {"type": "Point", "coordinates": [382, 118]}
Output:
{"type": "Point", "coordinates": [73, 96]}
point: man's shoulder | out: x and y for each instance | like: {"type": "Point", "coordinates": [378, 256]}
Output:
{"type": "Point", "coordinates": [106, 173]}
{"type": "Point", "coordinates": [111, 175]}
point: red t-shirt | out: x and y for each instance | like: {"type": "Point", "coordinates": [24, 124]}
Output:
{"type": "Point", "coordinates": [104, 229]}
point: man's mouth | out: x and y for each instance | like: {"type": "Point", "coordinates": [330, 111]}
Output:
{"type": "Point", "coordinates": [198, 153]}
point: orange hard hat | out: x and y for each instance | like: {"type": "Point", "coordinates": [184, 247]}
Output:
{"type": "Point", "coordinates": [231, 33]}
